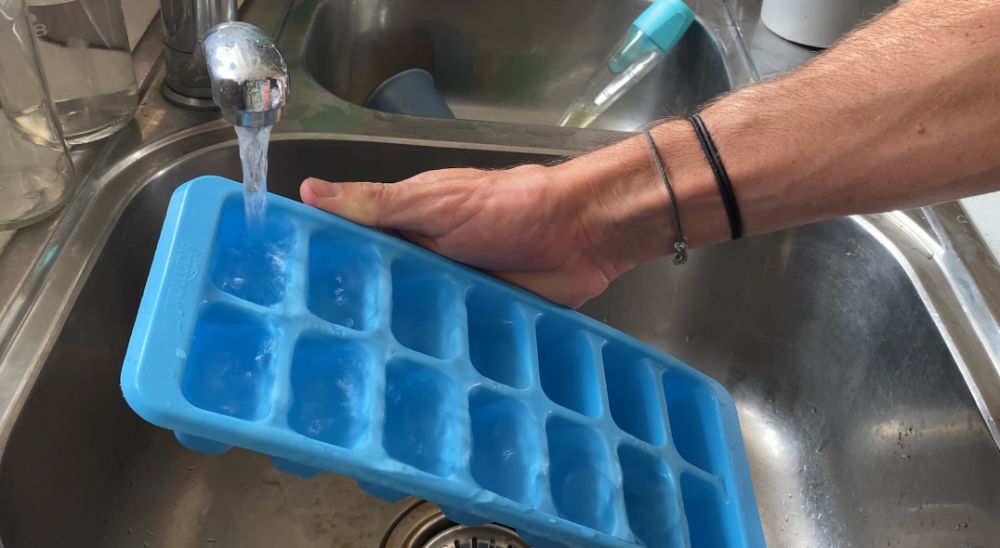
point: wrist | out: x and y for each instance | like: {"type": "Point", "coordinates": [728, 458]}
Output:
{"type": "Point", "coordinates": [623, 202]}
{"type": "Point", "coordinates": [699, 202]}
{"type": "Point", "coordinates": [781, 155]}
{"type": "Point", "coordinates": [620, 203]}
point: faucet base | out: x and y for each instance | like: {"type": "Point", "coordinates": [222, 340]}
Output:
{"type": "Point", "coordinates": [181, 100]}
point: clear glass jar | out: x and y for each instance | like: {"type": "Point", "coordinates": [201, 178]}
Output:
{"type": "Point", "coordinates": [35, 168]}
{"type": "Point", "coordinates": [87, 62]}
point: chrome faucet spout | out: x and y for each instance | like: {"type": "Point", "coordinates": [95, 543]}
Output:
{"type": "Point", "coordinates": [211, 58]}
{"type": "Point", "coordinates": [248, 74]}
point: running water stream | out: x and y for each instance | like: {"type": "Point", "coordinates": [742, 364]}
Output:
{"type": "Point", "coordinates": [253, 156]}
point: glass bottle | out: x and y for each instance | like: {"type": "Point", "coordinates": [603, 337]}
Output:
{"type": "Point", "coordinates": [35, 168]}
{"type": "Point", "coordinates": [87, 63]}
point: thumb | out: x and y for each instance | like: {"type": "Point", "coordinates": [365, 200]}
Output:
{"type": "Point", "coordinates": [370, 204]}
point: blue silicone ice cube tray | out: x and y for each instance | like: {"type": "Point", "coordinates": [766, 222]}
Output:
{"type": "Point", "coordinates": [330, 346]}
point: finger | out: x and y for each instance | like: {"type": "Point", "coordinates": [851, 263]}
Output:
{"type": "Point", "coordinates": [431, 209]}
{"type": "Point", "coordinates": [333, 197]}
{"type": "Point", "coordinates": [380, 205]}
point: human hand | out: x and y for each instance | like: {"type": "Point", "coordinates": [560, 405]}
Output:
{"type": "Point", "coordinates": [564, 232]}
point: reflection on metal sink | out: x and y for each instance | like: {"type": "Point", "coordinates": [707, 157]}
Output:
{"type": "Point", "coordinates": [520, 61]}
{"type": "Point", "coordinates": [859, 427]}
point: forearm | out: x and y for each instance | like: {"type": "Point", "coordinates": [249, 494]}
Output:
{"type": "Point", "coordinates": [904, 112]}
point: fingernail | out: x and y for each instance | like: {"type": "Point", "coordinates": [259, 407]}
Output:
{"type": "Point", "coordinates": [324, 189]}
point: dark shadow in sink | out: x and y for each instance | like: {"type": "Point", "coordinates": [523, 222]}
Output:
{"type": "Point", "coordinates": [519, 61]}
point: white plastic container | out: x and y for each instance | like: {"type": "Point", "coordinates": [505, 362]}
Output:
{"type": "Point", "coordinates": [817, 23]}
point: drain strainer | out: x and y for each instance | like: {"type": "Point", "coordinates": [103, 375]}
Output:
{"type": "Point", "coordinates": [423, 525]}
{"type": "Point", "coordinates": [486, 536]}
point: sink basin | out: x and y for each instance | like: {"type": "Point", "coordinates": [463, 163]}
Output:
{"type": "Point", "coordinates": [859, 427]}
{"type": "Point", "coordinates": [521, 61]}
{"type": "Point", "coordinates": [852, 352]}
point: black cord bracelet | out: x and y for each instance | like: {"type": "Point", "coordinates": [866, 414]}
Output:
{"type": "Point", "coordinates": [681, 244]}
{"type": "Point", "coordinates": [721, 177]}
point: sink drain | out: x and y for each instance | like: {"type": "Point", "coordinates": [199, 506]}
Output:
{"type": "Point", "coordinates": [423, 525]}
{"type": "Point", "coordinates": [486, 536]}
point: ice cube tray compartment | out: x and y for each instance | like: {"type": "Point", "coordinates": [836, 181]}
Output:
{"type": "Point", "coordinates": [567, 366]}
{"type": "Point", "coordinates": [632, 393]}
{"type": "Point", "coordinates": [425, 309]}
{"type": "Point", "coordinates": [230, 364]}
{"type": "Point", "coordinates": [583, 480]}
{"type": "Point", "coordinates": [422, 417]}
{"type": "Point", "coordinates": [506, 450]}
{"type": "Point", "coordinates": [334, 347]}
{"type": "Point", "coordinates": [651, 500]}
{"type": "Point", "coordinates": [343, 282]}
{"type": "Point", "coordinates": [693, 409]}
{"type": "Point", "coordinates": [252, 266]}
{"type": "Point", "coordinates": [709, 523]}
{"type": "Point", "coordinates": [331, 392]}
{"type": "Point", "coordinates": [498, 341]}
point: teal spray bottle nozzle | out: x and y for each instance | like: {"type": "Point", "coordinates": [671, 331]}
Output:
{"type": "Point", "coordinates": [651, 36]}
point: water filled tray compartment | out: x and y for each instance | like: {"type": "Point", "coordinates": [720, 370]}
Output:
{"type": "Point", "coordinates": [334, 347]}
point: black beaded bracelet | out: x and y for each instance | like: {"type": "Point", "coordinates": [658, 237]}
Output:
{"type": "Point", "coordinates": [721, 177]}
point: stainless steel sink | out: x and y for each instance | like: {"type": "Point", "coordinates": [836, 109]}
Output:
{"type": "Point", "coordinates": [520, 61]}
{"type": "Point", "coordinates": [858, 350]}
